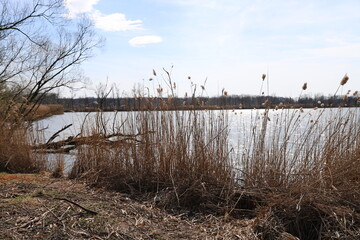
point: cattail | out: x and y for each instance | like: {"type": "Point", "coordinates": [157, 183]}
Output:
{"type": "Point", "coordinates": [154, 72]}
{"type": "Point", "coordinates": [263, 76]}
{"type": "Point", "coordinates": [266, 103]}
{"type": "Point", "coordinates": [344, 80]}
{"type": "Point", "coordinates": [189, 77]}
{"type": "Point", "coordinates": [150, 79]}
{"type": "Point", "coordinates": [304, 87]}
{"type": "Point", "coordinates": [355, 93]}
{"type": "Point", "coordinates": [159, 90]}
{"type": "Point", "coordinates": [225, 93]}
{"type": "Point", "coordinates": [203, 87]}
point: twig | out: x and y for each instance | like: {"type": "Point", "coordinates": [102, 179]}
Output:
{"type": "Point", "coordinates": [78, 205]}
{"type": "Point", "coordinates": [57, 218]}
{"type": "Point", "coordinates": [55, 135]}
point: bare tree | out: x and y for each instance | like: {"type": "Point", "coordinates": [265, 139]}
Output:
{"type": "Point", "coordinates": [40, 51]}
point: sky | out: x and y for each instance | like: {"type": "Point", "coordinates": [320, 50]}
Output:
{"type": "Point", "coordinates": [227, 43]}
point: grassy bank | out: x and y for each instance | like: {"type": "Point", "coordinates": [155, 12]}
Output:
{"type": "Point", "coordinates": [297, 178]}
{"type": "Point", "coordinates": [183, 161]}
{"type": "Point", "coordinates": [43, 111]}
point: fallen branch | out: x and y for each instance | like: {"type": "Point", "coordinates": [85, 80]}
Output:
{"type": "Point", "coordinates": [71, 143]}
{"type": "Point", "coordinates": [55, 135]}
{"type": "Point", "coordinates": [78, 205]}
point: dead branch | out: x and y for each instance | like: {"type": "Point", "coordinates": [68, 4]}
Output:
{"type": "Point", "coordinates": [71, 143]}
{"type": "Point", "coordinates": [78, 205]}
{"type": "Point", "coordinates": [55, 135]}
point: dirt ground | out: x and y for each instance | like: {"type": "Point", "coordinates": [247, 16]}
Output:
{"type": "Point", "coordinates": [36, 206]}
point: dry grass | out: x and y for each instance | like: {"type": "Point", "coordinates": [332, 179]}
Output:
{"type": "Point", "coordinates": [30, 209]}
{"type": "Point", "coordinates": [309, 181]}
{"type": "Point", "coordinates": [43, 111]}
{"type": "Point", "coordinates": [299, 176]}
{"type": "Point", "coordinates": [305, 184]}
{"type": "Point", "coordinates": [180, 157]}
{"type": "Point", "coordinates": [15, 151]}
{"type": "Point", "coordinates": [15, 135]}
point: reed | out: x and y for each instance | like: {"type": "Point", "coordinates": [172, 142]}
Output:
{"type": "Point", "coordinates": [182, 154]}
{"type": "Point", "coordinates": [303, 168]}
{"type": "Point", "coordinates": [44, 110]}
{"type": "Point", "coordinates": [298, 175]}
{"type": "Point", "coordinates": [15, 150]}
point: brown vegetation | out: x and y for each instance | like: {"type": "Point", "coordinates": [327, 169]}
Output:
{"type": "Point", "coordinates": [33, 207]}
{"type": "Point", "coordinates": [313, 191]}
{"type": "Point", "coordinates": [44, 111]}
{"type": "Point", "coordinates": [291, 184]}
{"type": "Point", "coordinates": [15, 150]}
{"type": "Point", "coordinates": [180, 157]}
{"type": "Point", "coordinates": [294, 185]}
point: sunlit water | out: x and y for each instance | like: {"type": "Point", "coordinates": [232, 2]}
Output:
{"type": "Point", "coordinates": [243, 125]}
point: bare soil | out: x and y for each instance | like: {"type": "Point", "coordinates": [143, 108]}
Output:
{"type": "Point", "coordinates": [36, 206]}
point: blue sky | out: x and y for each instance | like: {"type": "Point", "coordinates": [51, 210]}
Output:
{"type": "Point", "coordinates": [229, 42]}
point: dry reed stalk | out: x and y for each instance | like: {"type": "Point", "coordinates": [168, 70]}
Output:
{"type": "Point", "coordinates": [312, 175]}
{"type": "Point", "coordinates": [296, 173]}
{"type": "Point", "coordinates": [186, 152]}
{"type": "Point", "coordinates": [15, 150]}
{"type": "Point", "coordinates": [343, 81]}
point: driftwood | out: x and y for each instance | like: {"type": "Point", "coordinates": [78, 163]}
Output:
{"type": "Point", "coordinates": [71, 143]}
{"type": "Point", "coordinates": [55, 135]}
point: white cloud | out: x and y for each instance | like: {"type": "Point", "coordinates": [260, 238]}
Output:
{"type": "Point", "coordinates": [76, 7]}
{"type": "Point", "coordinates": [114, 22]}
{"type": "Point", "coordinates": [143, 40]}
{"type": "Point", "coordinates": [106, 22]}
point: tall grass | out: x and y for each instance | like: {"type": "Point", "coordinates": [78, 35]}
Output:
{"type": "Point", "coordinates": [185, 153]}
{"type": "Point", "coordinates": [15, 150]}
{"type": "Point", "coordinates": [297, 170]}
{"type": "Point", "coordinates": [300, 148]}
{"type": "Point", "coordinates": [44, 110]}
{"type": "Point", "coordinates": [16, 155]}
{"type": "Point", "coordinates": [305, 167]}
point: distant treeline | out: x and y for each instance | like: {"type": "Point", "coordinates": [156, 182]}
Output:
{"type": "Point", "coordinates": [221, 102]}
